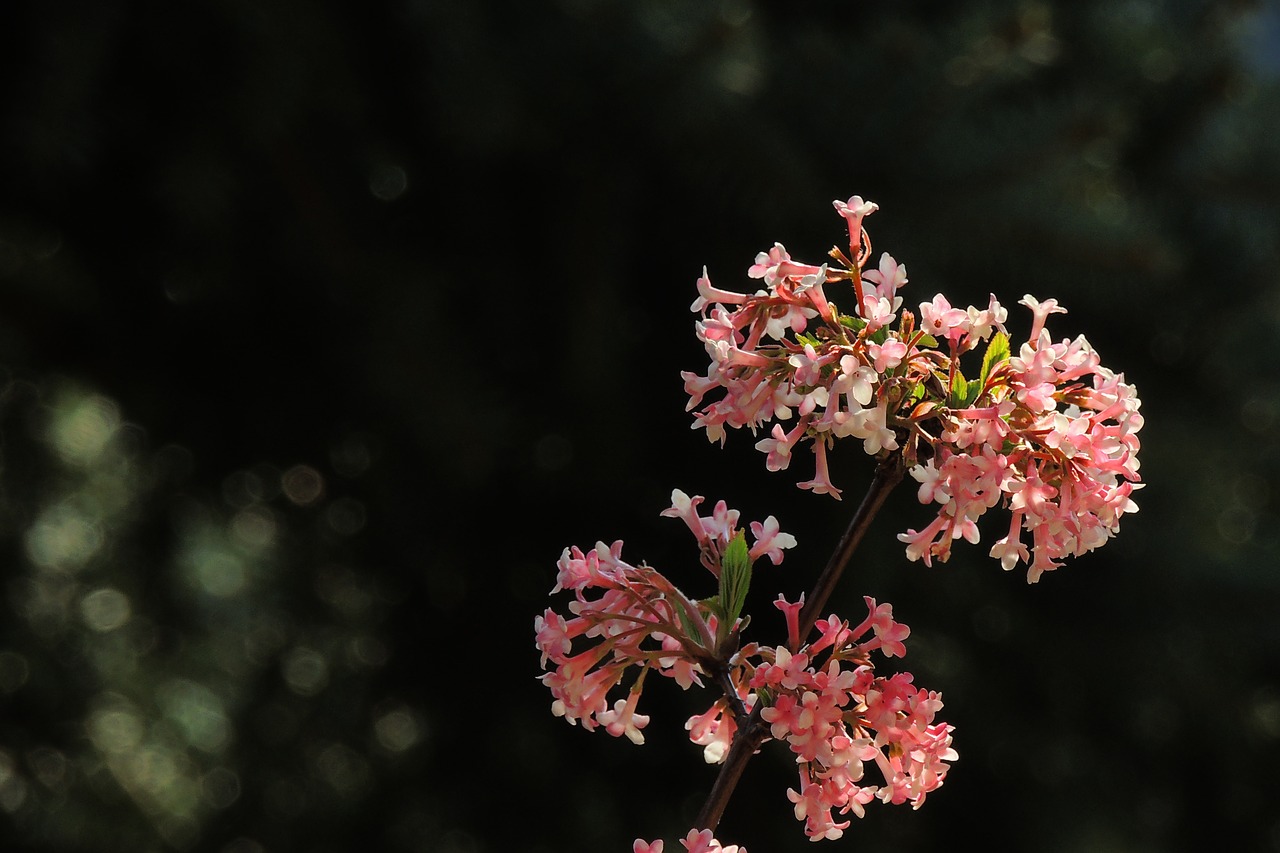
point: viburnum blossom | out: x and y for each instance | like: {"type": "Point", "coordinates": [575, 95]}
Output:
{"type": "Point", "coordinates": [1046, 432]}
{"type": "Point", "coordinates": [823, 698]}
{"type": "Point", "coordinates": [837, 715]}
{"type": "Point", "coordinates": [1042, 430]}
{"type": "Point", "coordinates": [638, 618]}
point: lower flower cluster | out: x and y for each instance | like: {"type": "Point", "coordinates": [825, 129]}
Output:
{"type": "Point", "coordinates": [837, 715]}
{"type": "Point", "coordinates": [823, 698]}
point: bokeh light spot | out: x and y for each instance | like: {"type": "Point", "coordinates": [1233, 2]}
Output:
{"type": "Point", "coordinates": [397, 730]}
{"type": "Point", "coordinates": [991, 623]}
{"type": "Point", "coordinates": [344, 591]}
{"type": "Point", "coordinates": [305, 671]}
{"type": "Point", "coordinates": [197, 712]}
{"type": "Point", "coordinates": [50, 767]}
{"type": "Point", "coordinates": [220, 787]}
{"type": "Point", "coordinates": [346, 516]}
{"type": "Point", "coordinates": [388, 182]}
{"type": "Point", "coordinates": [217, 572]}
{"type": "Point", "coordinates": [114, 728]}
{"type": "Point", "coordinates": [351, 457]}
{"type": "Point", "coordinates": [303, 485]}
{"type": "Point", "coordinates": [343, 768]}
{"type": "Point", "coordinates": [1265, 713]}
{"type": "Point", "coordinates": [368, 651]}
{"type": "Point", "coordinates": [63, 537]}
{"type": "Point", "coordinates": [13, 788]}
{"type": "Point", "coordinates": [105, 609]}
{"type": "Point", "coordinates": [254, 528]}
{"type": "Point", "coordinates": [1237, 524]}
{"type": "Point", "coordinates": [245, 488]}
{"type": "Point", "coordinates": [82, 427]}
{"type": "Point", "coordinates": [1260, 414]}
{"type": "Point", "coordinates": [179, 830]}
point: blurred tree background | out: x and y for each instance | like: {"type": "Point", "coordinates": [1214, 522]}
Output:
{"type": "Point", "coordinates": [326, 326]}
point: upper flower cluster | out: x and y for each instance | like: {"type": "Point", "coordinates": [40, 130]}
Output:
{"type": "Point", "coordinates": [1047, 431]}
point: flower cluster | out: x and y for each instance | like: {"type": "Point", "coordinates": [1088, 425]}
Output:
{"type": "Point", "coordinates": [836, 714]}
{"type": "Point", "coordinates": [824, 698]}
{"type": "Point", "coordinates": [1052, 435]}
{"type": "Point", "coordinates": [637, 617]}
{"type": "Point", "coordinates": [1049, 432]}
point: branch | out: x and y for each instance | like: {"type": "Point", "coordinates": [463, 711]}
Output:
{"type": "Point", "coordinates": [888, 474]}
{"type": "Point", "coordinates": [753, 732]}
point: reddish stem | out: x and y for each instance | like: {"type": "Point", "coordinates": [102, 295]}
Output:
{"type": "Point", "coordinates": [752, 731]}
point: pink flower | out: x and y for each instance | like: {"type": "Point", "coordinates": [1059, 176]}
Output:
{"type": "Point", "coordinates": [888, 355]}
{"type": "Point", "coordinates": [766, 265]}
{"type": "Point", "coordinates": [888, 279]}
{"type": "Point", "coordinates": [854, 210]}
{"type": "Point", "coordinates": [888, 634]}
{"type": "Point", "coordinates": [770, 540]}
{"type": "Point", "coordinates": [714, 730]}
{"type": "Point", "coordinates": [708, 294]}
{"type": "Point", "coordinates": [623, 720]}
{"type": "Point", "coordinates": [939, 319]}
{"type": "Point", "coordinates": [685, 508]}
{"type": "Point", "coordinates": [777, 448]}
{"type": "Point", "coordinates": [1041, 312]}
{"type": "Point", "coordinates": [821, 483]}
{"type": "Point", "coordinates": [702, 841]}
{"type": "Point", "coordinates": [791, 611]}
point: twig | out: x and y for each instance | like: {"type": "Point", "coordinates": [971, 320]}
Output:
{"type": "Point", "coordinates": [752, 732]}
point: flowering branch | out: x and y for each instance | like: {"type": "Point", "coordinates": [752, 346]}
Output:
{"type": "Point", "coordinates": [1048, 433]}
{"type": "Point", "coordinates": [752, 732]}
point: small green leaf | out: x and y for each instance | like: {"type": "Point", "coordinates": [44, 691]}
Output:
{"type": "Point", "coordinates": [735, 578]}
{"type": "Point", "coordinates": [927, 341]}
{"type": "Point", "coordinates": [692, 629]}
{"type": "Point", "coordinates": [958, 397]}
{"type": "Point", "coordinates": [997, 351]}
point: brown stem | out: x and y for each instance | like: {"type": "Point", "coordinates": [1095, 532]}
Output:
{"type": "Point", "coordinates": [752, 731]}
{"type": "Point", "coordinates": [888, 474]}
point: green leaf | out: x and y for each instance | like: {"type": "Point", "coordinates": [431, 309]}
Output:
{"type": "Point", "coordinates": [691, 628]}
{"type": "Point", "coordinates": [997, 351]}
{"type": "Point", "coordinates": [962, 391]}
{"type": "Point", "coordinates": [927, 341]}
{"type": "Point", "coordinates": [735, 578]}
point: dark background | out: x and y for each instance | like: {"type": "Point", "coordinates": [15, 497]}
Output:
{"type": "Point", "coordinates": [325, 327]}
